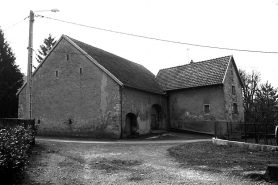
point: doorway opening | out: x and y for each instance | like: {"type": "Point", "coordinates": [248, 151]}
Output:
{"type": "Point", "coordinates": [131, 124]}
{"type": "Point", "coordinates": [156, 117]}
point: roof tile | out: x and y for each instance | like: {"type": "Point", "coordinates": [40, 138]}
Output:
{"type": "Point", "coordinates": [209, 72]}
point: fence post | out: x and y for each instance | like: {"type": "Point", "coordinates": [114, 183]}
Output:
{"type": "Point", "coordinates": [245, 132]}
{"type": "Point", "coordinates": [265, 134]}
{"type": "Point", "coordinates": [256, 135]}
{"type": "Point", "coordinates": [228, 130]}
{"type": "Point", "coordinates": [215, 135]}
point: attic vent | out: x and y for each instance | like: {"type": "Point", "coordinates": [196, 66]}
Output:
{"type": "Point", "coordinates": [80, 70]}
{"type": "Point", "coordinates": [67, 57]}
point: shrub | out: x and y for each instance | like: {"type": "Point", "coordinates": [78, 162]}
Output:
{"type": "Point", "coordinates": [15, 144]}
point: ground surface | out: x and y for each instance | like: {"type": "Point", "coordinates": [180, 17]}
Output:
{"type": "Point", "coordinates": [231, 160]}
{"type": "Point", "coordinates": [143, 161]}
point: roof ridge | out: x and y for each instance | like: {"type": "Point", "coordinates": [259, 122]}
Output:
{"type": "Point", "coordinates": [195, 62]}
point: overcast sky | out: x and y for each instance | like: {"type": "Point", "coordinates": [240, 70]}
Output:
{"type": "Point", "coordinates": [247, 25]}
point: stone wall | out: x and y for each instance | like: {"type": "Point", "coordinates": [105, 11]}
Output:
{"type": "Point", "coordinates": [232, 79]}
{"type": "Point", "coordinates": [72, 96]}
{"type": "Point", "coordinates": [188, 105]}
{"type": "Point", "coordinates": [140, 103]}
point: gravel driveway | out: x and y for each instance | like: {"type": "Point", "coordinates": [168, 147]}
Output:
{"type": "Point", "coordinates": [77, 162]}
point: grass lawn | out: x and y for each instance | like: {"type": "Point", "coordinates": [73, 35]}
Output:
{"type": "Point", "coordinates": [238, 161]}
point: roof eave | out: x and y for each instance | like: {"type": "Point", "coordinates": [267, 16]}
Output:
{"type": "Point", "coordinates": [147, 90]}
{"type": "Point", "coordinates": [226, 71]}
{"type": "Point", "coordinates": [187, 88]}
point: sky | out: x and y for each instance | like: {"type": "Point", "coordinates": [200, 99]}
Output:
{"type": "Point", "coordinates": [246, 25]}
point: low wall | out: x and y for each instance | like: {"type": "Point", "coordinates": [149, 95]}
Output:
{"type": "Point", "coordinates": [245, 145]}
{"type": "Point", "coordinates": [216, 128]}
{"type": "Point", "coordinates": [12, 122]}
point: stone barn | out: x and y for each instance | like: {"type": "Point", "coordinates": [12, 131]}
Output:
{"type": "Point", "coordinates": [80, 90]}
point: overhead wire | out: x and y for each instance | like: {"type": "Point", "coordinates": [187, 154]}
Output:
{"type": "Point", "coordinates": [15, 24]}
{"type": "Point", "coordinates": [158, 39]}
{"type": "Point", "coordinates": [146, 37]}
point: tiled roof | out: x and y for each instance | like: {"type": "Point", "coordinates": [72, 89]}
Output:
{"type": "Point", "coordinates": [196, 74]}
{"type": "Point", "coordinates": [129, 73]}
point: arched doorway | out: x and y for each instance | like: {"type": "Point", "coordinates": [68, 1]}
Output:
{"type": "Point", "coordinates": [156, 117]}
{"type": "Point", "coordinates": [131, 124]}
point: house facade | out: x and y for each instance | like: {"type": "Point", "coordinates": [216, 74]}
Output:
{"type": "Point", "coordinates": [203, 93]}
{"type": "Point", "coordinates": [80, 90]}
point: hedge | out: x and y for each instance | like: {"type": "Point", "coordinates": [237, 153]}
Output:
{"type": "Point", "coordinates": [15, 146]}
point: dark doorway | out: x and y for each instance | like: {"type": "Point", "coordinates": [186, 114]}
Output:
{"type": "Point", "coordinates": [131, 124]}
{"type": "Point", "coordinates": [156, 117]}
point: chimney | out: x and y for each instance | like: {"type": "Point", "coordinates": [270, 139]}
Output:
{"type": "Point", "coordinates": [191, 62]}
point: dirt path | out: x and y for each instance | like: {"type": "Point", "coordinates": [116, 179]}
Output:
{"type": "Point", "coordinates": [113, 163]}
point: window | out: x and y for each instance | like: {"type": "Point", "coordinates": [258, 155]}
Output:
{"type": "Point", "coordinates": [233, 90]}
{"type": "Point", "coordinates": [80, 70]}
{"type": "Point", "coordinates": [235, 111]}
{"type": "Point", "coordinates": [56, 73]}
{"type": "Point", "coordinates": [206, 109]}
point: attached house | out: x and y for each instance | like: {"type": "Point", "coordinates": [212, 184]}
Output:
{"type": "Point", "coordinates": [80, 90]}
{"type": "Point", "coordinates": [203, 93]}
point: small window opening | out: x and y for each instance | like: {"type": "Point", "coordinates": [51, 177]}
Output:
{"type": "Point", "coordinates": [235, 110]}
{"type": "Point", "coordinates": [67, 57]}
{"type": "Point", "coordinates": [56, 73]}
{"type": "Point", "coordinates": [233, 90]}
{"type": "Point", "coordinates": [80, 70]}
{"type": "Point", "coordinates": [206, 109]}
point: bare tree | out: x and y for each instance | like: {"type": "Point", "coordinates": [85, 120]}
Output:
{"type": "Point", "coordinates": [250, 87]}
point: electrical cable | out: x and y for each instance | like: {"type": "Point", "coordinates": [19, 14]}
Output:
{"type": "Point", "coordinates": [15, 23]}
{"type": "Point", "coordinates": [163, 40]}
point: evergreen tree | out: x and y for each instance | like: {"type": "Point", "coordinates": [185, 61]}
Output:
{"type": "Point", "coordinates": [11, 79]}
{"type": "Point", "coordinates": [48, 43]}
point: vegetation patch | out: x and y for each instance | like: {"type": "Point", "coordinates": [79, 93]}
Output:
{"type": "Point", "coordinates": [112, 165]}
{"type": "Point", "coordinates": [15, 147]}
{"type": "Point", "coordinates": [74, 157]}
{"type": "Point", "coordinates": [206, 156]}
{"type": "Point", "coordinates": [136, 177]}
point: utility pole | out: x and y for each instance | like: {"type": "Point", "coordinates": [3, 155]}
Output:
{"type": "Point", "coordinates": [29, 68]}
